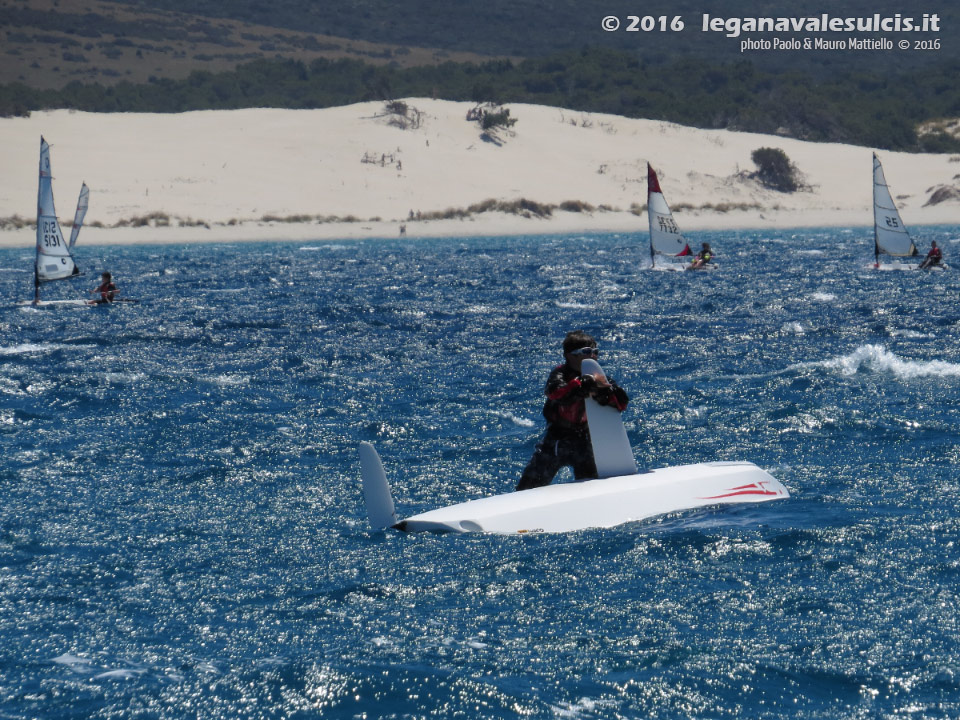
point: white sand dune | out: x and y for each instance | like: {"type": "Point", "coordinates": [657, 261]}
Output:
{"type": "Point", "coordinates": [217, 174]}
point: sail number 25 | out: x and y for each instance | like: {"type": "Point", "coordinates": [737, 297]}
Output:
{"type": "Point", "coordinates": [51, 238]}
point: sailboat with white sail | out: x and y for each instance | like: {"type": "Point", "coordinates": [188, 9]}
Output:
{"type": "Point", "coordinates": [83, 202]}
{"type": "Point", "coordinates": [54, 260]}
{"type": "Point", "coordinates": [890, 235]}
{"type": "Point", "coordinates": [666, 240]}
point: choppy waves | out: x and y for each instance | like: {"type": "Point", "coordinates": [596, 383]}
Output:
{"type": "Point", "coordinates": [182, 532]}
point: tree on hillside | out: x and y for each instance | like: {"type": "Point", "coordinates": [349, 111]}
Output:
{"type": "Point", "coordinates": [499, 119]}
{"type": "Point", "coordinates": [402, 115]}
{"type": "Point", "coordinates": [492, 120]}
{"type": "Point", "coordinates": [775, 171]}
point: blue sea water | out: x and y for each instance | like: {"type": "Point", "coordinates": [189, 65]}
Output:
{"type": "Point", "coordinates": [181, 526]}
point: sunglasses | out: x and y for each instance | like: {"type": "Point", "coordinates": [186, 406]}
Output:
{"type": "Point", "coordinates": [584, 351]}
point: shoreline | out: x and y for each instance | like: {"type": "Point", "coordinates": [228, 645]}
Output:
{"type": "Point", "coordinates": [269, 175]}
{"type": "Point", "coordinates": [485, 225]}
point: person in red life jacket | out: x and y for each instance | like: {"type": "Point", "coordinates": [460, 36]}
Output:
{"type": "Point", "coordinates": [566, 441]}
{"type": "Point", "coordinates": [107, 290]}
{"type": "Point", "coordinates": [933, 257]}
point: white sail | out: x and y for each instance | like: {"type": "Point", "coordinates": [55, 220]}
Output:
{"type": "Point", "coordinates": [54, 261]}
{"type": "Point", "coordinates": [665, 236]}
{"type": "Point", "coordinates": [82, 204]}
{"type": "Point", "coordinates": [889, 233]}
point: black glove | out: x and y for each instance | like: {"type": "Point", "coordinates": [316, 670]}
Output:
{"type": "Point", "coordinates": [603, 395]}
{"type": "Point", "coordinates": [588, 384]}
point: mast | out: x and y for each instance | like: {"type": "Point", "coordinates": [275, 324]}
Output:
{"type": "Point", "coordinates": [876, 240]}
{"type": "Point", "coordinates": [651, 183]}
{"type": "Point", "coordinates": [36, 260]}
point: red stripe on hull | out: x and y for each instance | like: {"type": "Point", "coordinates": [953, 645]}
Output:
{"type": "Point", "coordinates": [752, 489]}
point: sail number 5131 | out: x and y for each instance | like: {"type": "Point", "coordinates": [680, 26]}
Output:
{"type": "Point", "coordinates": [648, 23]}
{"type": "Point", "coordinates": [51, 238]}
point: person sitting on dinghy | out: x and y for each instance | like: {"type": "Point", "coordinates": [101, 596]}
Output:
{"type": "Point", "coordinates": [702, 258]}
{"type": "Point", "coordinates": [933, 257]}
{"type": "Point", "coordinates": [567, 438]}
{"type": "Point", "coordinates": [106, 289]}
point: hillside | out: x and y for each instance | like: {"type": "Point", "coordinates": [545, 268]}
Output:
{"type": "Point", "coordinates": [533, 28]}
{"type": "Point", "coordinates": [162, 56]}
{"type": "Point", "coordinates": [49, 43]}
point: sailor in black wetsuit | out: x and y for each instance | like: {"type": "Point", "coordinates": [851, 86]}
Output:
{"type": "Point", "coordinates": [703, 257]}
{"type": "Point", "coordinates": [567, 438]}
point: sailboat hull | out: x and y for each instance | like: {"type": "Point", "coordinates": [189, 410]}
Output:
{"type": "Point", "coordinates": [605, 503]}
{"type": "Point", "coordinates": [54, 303]}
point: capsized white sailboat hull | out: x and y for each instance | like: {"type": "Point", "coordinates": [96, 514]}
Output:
{"type": "Point", "coordinates": [602, 503]}
{"type": "Point", "coordinates": [605, 503]}
{"type": "Point", "coordinates": [622, 494]}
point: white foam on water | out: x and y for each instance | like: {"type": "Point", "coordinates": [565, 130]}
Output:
{"type": "Point", "coordinates": [910, 334]}
{"type": "Point", "coordinates": [584, 707]}
{"type": "Point", "coordinates": [30, 348]}
{"type": "Point", "coordinates": [119, 674]}
{"type": "Point", "coordinates": [317, 248]}
{"type": "Point", "coordinates": [876, 358]}
{"type": "Point", "coordinates": [75, 663]}
{"type": "Point", "coordinates": [522, 422]}
{"type": "Point", "coordinates": [695, 416]}
{"type": "Point", "coordinates": [226, 380]}
{"type": "Point", "coordinates": [574, 306]}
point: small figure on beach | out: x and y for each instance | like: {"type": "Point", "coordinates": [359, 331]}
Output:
{"type": "Point", "coordinates": [933, 258]}
{"type": "Point", "coordinates": [566, 441]}
{"type": "Point", "coordinates": [702, 258]}
{"type": "Point", "coordinates": [107, 290]}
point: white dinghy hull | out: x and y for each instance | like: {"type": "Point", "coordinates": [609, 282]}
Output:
{"type": "Point", "coordinates": [621, 495]}
{"type": "Point", "coordinates": [575, 506]}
